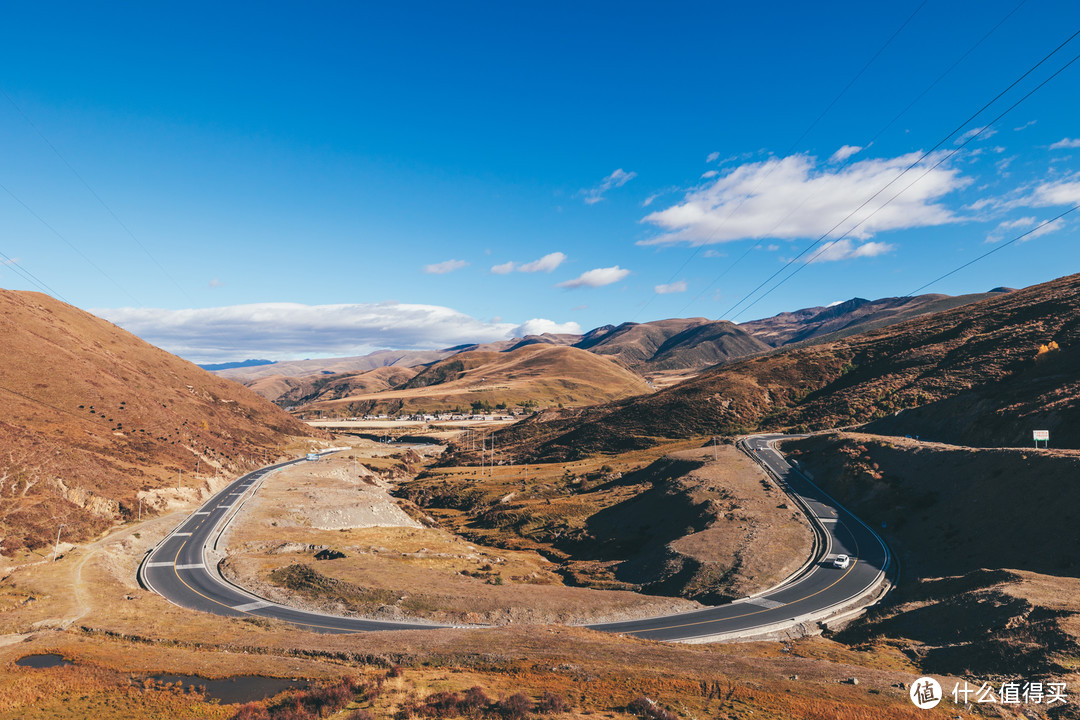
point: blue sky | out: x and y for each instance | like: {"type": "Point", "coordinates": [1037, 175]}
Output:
{"type": "Point", "coordinates": [280, 180]}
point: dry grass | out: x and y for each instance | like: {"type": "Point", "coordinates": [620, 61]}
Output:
{"type": "Point", "coordinates": [686, 526]}
{"type": "Point", "coordinates": [393, 567]}
{"type": "Point", "coordinates": [546, 375]}
{"type": "Point", "coordinates": [113, 629]}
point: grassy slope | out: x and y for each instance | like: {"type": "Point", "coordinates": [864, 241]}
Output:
{"type": "Point", "coordinates": [92, 415]}
{"type": "Point", "coordinates": [680, 525]}
{"type": "Point", "coordinates": [987, 542]}
{"type": "Point", "coordinates": [544, 374]}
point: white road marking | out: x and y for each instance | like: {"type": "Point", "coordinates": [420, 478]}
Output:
{"type": "Point", "coordinates": [252, 606]}
{"type": "Point", "coordinates": [159, 564]}
{"type": "Point", "coordinates": [181, 534]}
{"type": "Point", "coordinates": [193, 566]}
{"type": "Point", "coordinates": [202, 512]}
{"type": "Point", "coordinates": [765, 603]}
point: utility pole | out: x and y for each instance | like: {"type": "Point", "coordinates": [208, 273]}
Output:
{"type": "Point", "coordinates": [140, 509]}
{"type": "Point", "coordinates": [57, 544]}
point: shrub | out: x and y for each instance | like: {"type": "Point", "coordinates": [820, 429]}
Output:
{"type": "Point", "coordinates": [515, 707]}
{"type": "Point", "coordinates": [552, 703]}
{"type": "Point", "coordinates": [643, 707]}
{"type": "Point", "coordinates": [442, 705]}
{"type": "Point", "coordinates": [475, 701]}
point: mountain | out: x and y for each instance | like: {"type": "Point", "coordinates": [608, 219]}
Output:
{"type": "Point", "coordinates": [93, 416]}
{"type": "Point", "coordinates": [230, 365]}
{"type": "Point", "coordinates": [662, 351]}
{"type": "Point", "coordinates": [674, 344]}
{"type": "Point", "coordinates": [332, 387]}
{"type": "Point", "coordinates": [332, 366]}
{"type": "Point", "coordinates": [985, 374]}
{"type": "Point", "coordinates": [540, 373]}
{"type": "Point", "coordinates": [853, 316]}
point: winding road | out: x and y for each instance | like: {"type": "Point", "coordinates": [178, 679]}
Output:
{"type": "Point", "coordinates": [181, 569]}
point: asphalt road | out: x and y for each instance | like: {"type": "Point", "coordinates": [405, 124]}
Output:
{"type": "Point", "coordinates": [178, 568]}
{"type": "Point", "coordinates": [818, 587]}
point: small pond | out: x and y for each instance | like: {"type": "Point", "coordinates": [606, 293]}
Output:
{"type": "Point", "coordinates": [238, 689]}
{"type": "Point", "coordinates": [44, 660]}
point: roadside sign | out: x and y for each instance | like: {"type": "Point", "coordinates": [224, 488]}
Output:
{"type": "Point", "coordinates": [1041, 434]}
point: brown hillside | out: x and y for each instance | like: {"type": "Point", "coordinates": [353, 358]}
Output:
{"type": "Point", "coordinates": [676, 343]}
{"type": "Point", "coordinates": [295, 392]}
{"type": "Point", "coordinates": [975, 371]}
{"type": "Point", "coordinates": [92, 415]}
{"type": "Point", "coordinates": [986, 541]}
{"type": "Point", "coordinates": [335, 366]}
{"type": "Point", "coordinates": [704, 345]}
{"type": "Point", "coordinates": [540, 374]}
{"type": "Point", "coordinates": [820, 324]}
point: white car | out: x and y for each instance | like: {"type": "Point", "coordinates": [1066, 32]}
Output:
{"type": "Point", "coordinates": [841, 561]}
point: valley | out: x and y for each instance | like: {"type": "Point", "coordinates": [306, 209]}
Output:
{"type": "Point", "coordinates": [628, 504]}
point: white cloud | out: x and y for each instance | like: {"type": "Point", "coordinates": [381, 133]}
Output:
{"type": "Point", "coordinates": [596, 278]}
{"type": "Point", "coordinates": [1066, 143]}
{"type": "Point", "coordinates": [1026, 125]}
{"type": "Point", "coordinates": [675, 287]}
{"type": "Point", "coordinates": [712, 157]}
{"type": "Point", "coordinates": [983, 132]}
{"type": "Point", "coordinates": [539, 326]}
{"type": "Point", "coordinates": [793, 198]}
{"type": "Point", "coordinates": [215, 283]}
{"type": "Point", "coordinates": [614, 180]}
{"type": "Point", "coordinates": [287, 331]}
{"type": "Point", "coordinates": [1010, 228]}
{"type": "Point", "coordinates": [709, 174]}
{"type": "Point", "coordinates": [1046, 229]}
{"type": "Point", "coordinates": [444, 267]}
{"type": "Point", "coordinates": [545, 264]}
{"type": "Point", "coordinates": [846, 249]}
{"type": "Point", "coordinates": [1058, 192]}
{"type": "Point", "coordinates": [844, 153]}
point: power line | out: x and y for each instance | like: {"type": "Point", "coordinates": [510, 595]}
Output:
{"type": "Point", "coordinates": [96, 196]}
{"type": "Point", "coordinates": [911, 166]}
{"type": "Point", "coordinates": [946, 157]}
{"type": "Point", "coordinates": [795, 144]}
{"type": "Point", "coordinates": [29, 276]}
{"type": "Point", "coordinates": [68, 243]}
{"type": "Point", "coordinates": [997, 248]}
{"type": "Point", "coordinates": [848, 162]}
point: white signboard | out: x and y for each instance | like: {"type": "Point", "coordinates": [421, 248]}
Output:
{"type": "Point", "coordinates": [1041, 434]}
